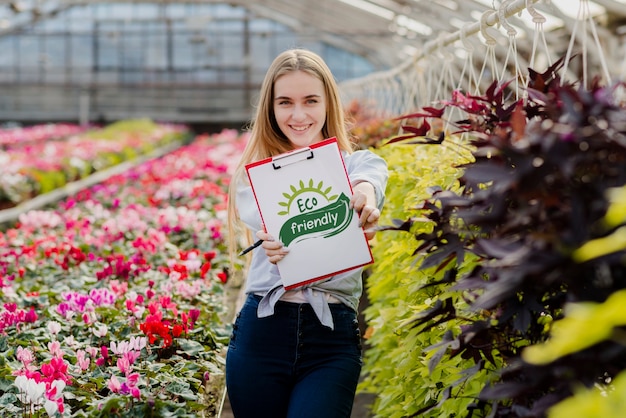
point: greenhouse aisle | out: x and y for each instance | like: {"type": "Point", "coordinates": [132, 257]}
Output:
{"type": "Point", "coordinates": [497, 284]}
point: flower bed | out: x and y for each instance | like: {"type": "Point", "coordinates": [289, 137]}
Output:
{"type": "Point", "coordinates": [40, 166]}
{"type": "Point", "coordinates": [113, 303]}
{"type": "Point", "coordinates": [19, 136]}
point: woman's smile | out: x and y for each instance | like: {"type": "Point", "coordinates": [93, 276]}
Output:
{"type": "Point", "coordinates": [300, 107]}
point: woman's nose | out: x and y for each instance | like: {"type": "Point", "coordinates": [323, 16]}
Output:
{"type": "Point", "coordinates": [298, 113]}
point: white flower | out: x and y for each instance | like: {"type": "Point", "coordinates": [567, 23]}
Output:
{"type": "Point", "coordinates": [51, 407]}
{"type": "Point", "coordinates": [71, 341]}
{"type": "Point", "coordinates": [31, 392]}
{"type": "Point", "coordinates": [101, 331]}
{"type": "Point", "coordinates": [54, 327]}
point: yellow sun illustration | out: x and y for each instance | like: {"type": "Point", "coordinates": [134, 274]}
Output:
{"type": "Point", "coordinates": [302, 189]}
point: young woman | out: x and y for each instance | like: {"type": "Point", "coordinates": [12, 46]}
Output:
{"type": "Point", "coordinates": [296, 353]}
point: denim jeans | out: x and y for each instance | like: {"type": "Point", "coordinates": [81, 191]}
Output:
{"type": "Point", "coordinates": [288, 365]}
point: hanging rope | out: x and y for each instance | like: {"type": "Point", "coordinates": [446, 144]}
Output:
{"type": "Point", "coordinates": [584, 17]}
{"type": "Point", "coordinates": [377, 87]}
{"type": "Point", "coordinates": [468, 64]}
{"type": "Point", "coordinates": [512, 49]}
{"type": "Point", "coordinates": [538, 19]}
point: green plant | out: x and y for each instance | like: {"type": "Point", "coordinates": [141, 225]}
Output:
{"type": "Point", "coordinates": [396, 367]}
{"type": "Point", "coordinates": [535, 193]}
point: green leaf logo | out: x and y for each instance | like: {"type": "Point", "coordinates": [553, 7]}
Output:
{"type": "Point", "coordinates": [314, 212]}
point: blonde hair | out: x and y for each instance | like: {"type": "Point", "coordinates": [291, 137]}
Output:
{"type": "Point", "coordinates": [266, 138]}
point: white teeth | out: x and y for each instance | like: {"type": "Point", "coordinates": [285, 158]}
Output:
{"type": "Point", "coordinates": [303, 128]}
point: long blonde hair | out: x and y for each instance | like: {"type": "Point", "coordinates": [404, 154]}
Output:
{"type": "Point", "coordinates": [266, 138]}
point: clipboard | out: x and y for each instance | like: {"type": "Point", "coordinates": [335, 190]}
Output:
{"type": "Point", "coordinates": [303, 197]}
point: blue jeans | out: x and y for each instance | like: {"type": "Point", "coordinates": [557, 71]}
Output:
{"type": "Point", "coordinates": [288, 365]}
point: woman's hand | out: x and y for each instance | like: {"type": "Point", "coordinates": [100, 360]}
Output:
{"type": "Point", "coordinates": [275, 250]}
{"type": "Point", "coordinates": [363, 201]}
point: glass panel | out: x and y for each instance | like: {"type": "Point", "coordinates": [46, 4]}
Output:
{"type": "Point", "coordinates": [156, 49]}
{"type": "Point", "coordinates": [9, 59]}
{"type": "Point", "coordinates": [108, 44]}
{"type": "Point", "coordinates": [182, 50]}
{"type": "Point", "coordinates": [53, 58]}
{"type": "Point", "coordinates": [28, 50]}
{"type": "Point", "coordinates": [7, 46]}
{"type": "Point", "coordinates": [232, 50]}
{"type": "Point", "coordinates": [81, 52]}
{"type": "Point", "coordinates": [156, 42]}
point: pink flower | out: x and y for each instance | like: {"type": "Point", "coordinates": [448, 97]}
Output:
{"type": "Point", "coordinates": [55, 349]}
{"type": "Point", "coordinates": [10, 307]}
{"type": "Point", "coordinates": [114, 384]}
{"type": "Point", "coordinates": [132, 379]}
{"type": "Point", "coordinates": [31, 316]}
{"type": "Point", "coordinates": [123, 365]}
{"type": "Point", "coordinates": [56, 369]}
{"type": "Point", "coordinates": [92, 351]}
{"type": "Point", "coordinates": [25, 356]}
{"type": "Point", "coordinates": [81, 360]}
{"type": "Point", "coordinates": [194, 314]}
{"type": "Point", "coordinates": [131, 356]}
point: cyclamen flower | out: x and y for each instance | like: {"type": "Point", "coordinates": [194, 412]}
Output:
{"type": "Point", "coordinates": [31, 391]}
{"type": "Point", "coordinates": [114, 384]}
{"type": "Point", "coordinates": [71, 342]}
{"type": "Point", "coordinates": [101, 331]}
{"type": "Point", "coordinates": [123, 365]}
{"type": "Point", "coordinates": [223, 276]}
{"type": "Point", "coordinates": [25, 356]}
{"type": "Point", "coordinates": [102, 297]}
{"type": "Point", "coordinates": [194, 314]}
{"type": "Point", "coordinates": [54, 395]}
{"type": "Point", "coordinates": [81, 360]}
{"type": "Point", "coordinates": [31, 316]}
{"type": "Point", "coordinates": [92, 351]}
{"type": "Point", "coordinates": [205, 269]}
{"type": "Point", "coordinates": [12, 316]}
{"type": "Point", "coordinates": [123, 347]}
{"type": "Point", "coordinates": [188, 290]}
{"type": "Point", "coordinates": [56, 369]}
{"type": "Point", "coordinates": [132, 356]}
{"type": "Point", "coordinates": [54, 327]}
{"type": "Point", "coordinates": [35, 393]}
{"type": "Point", "coordinates": [55, 349]}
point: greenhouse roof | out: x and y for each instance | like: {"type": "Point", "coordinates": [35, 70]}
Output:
{"type": "Point", "coordinates": [203, 60]}
{"type": "Point", "coordinates": [386, 32]}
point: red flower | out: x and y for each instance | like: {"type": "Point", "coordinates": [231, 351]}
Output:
{"type": "Point", "coordinates": [177, 330]}
{"type": "Point", "coordinates": [209, 255]}
{"type": "Point", "coordinates": [205, 269]}
{"type": "Point", "coordinates": [223, 276]}
{"type": "Point", "coordinates": [182, 270]}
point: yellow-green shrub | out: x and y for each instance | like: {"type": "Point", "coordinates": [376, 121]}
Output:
{"type": "Point", "coordinates": [396, 361]}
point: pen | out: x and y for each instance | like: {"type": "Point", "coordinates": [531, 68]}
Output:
{"type": "Point", "coordinates": [252, 247]}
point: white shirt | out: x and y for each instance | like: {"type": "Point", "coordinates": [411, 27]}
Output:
{"type": "Point", "coordinates": [263, 277]}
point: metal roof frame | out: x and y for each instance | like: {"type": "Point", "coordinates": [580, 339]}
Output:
{"type": "Point", "coordinates": [369, 28]}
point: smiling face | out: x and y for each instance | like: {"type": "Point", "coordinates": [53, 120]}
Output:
{"type": "Point", "coordinates": [300, 107]}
